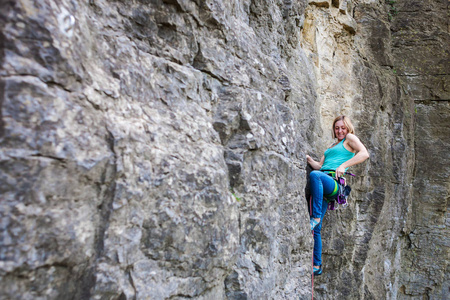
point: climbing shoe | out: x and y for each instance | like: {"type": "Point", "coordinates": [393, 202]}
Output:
{"type": "Point", "coordinates": [317, 270]}
{"type": "Point", "coordinates": [313, 223]}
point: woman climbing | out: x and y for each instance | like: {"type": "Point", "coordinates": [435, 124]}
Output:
{"type": "Point", "coordinates": [339, 157]}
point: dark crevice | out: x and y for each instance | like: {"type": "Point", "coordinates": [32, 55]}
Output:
{"type": "Point", "coordinates": [105, 208]}
{"type": "Point", "coordinates": [175, 4]}
{"type": "Point", "coordinates": [94, 105]}
{"type": "Point", "coordinates": [425, 101]}
{"type": "Point", "coordinates": [2, 98]}
{"type": "Point", "coordinates": [49, 157]}
{"type": "Point", "coordinates": [49, 82]}
{"type": "Point", "coordinates": [223, 80]}
{"type": "Point", "coordinates": [57, 84]}
{"type": "Point", "coordinates": [2, 83]}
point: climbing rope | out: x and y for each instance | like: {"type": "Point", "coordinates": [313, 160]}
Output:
{"type": "Point", "coordinates": [312, 257]}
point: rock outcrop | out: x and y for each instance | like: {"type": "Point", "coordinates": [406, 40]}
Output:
{"type": "Point", "coordinates": [156, 149]}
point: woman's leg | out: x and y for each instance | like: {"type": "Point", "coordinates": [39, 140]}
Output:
{"type": "Point", "coordinates": [321, 184]}
{"type": "Point", "coordinates": [317, 237]}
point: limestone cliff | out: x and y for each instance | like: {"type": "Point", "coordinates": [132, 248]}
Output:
{"type": "Point", "coordinates": [155, 149]}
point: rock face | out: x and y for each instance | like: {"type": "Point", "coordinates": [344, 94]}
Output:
{"type": "Point", "coordinates": [393, 241]}
{"type": "Point", "coordinates": [156, 149]}
{"type": "Point", "coordinates": [420, 43]}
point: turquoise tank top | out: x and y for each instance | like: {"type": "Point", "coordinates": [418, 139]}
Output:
{"type": "Point", "coordinates": [336, 156]}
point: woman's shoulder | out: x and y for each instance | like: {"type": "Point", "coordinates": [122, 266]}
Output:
{"type": "Point", "coordinates": [351, 137]}
{"type": "Point", "coordinates": [353, 142]}
{"type": "Point", "coordinates": [350, 141]}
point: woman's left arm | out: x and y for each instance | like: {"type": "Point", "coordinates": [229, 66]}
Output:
{"type": "Point", "coordinates": [361, 154]}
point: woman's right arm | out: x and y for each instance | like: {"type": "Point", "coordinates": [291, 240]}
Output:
{"type": "Point", "coordinates": [314, 164]}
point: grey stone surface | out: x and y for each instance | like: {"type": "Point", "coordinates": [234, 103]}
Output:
{"type": "Point", "coordinates": [421, 50]}
{"type": "Point", "coordinates": [156, 149]}
{"type": "Point", "coordinates": [367, 252]}
{"type": "Point", "coordinates": [145, 147]}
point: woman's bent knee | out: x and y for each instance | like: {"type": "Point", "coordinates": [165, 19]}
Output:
{"type": "Point", "coordinates": [315, 174]}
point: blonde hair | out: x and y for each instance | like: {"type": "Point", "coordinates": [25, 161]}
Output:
{"type": "Point", "coordinates": [347, 124]}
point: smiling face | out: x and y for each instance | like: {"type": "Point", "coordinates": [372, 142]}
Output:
{"type": "Point", "coordinates": [340, 130]}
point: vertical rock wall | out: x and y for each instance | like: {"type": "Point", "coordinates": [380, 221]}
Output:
{"type": "Point", "coordinates": [155, 149]}
{"type": "Point", "coordinates": [421, 54]}
{"type": "Point", "coordinates": [393, 241]}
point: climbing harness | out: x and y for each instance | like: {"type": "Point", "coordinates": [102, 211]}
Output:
{"type": "Point", "coordinates": [341, 191]}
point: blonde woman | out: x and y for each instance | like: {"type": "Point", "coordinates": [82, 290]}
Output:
{"type": "Point", "coordinates": [347, 151]}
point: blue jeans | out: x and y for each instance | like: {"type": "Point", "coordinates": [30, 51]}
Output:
{"type": "Point", "coordinates": [321, 184]}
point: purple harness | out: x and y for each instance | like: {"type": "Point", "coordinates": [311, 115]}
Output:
{"type": "Point", "coordinates": [343, 191]}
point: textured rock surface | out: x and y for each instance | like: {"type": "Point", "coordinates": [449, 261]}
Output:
{"type": "Point", "coordinates": [421, 51]}
{"type": "Point", "coordinates": [395, 236]}
{"type": "Point", "coordinates": [131, 130]}
{"type": "Point", "coordinates": [155, 149]}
